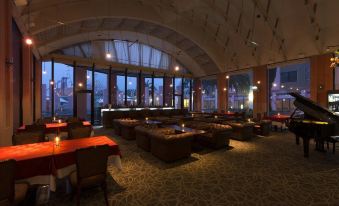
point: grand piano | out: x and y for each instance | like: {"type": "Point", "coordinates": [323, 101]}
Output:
{"type": "Point", "coordinates": [316, 123]}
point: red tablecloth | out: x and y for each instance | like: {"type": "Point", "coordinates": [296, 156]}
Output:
{"type": "Point", "coordinates": [45, 158]}
{"type": "Point", "coordinates": [279, 118]}
{"type": "Point", "coordinates": [54, 126]}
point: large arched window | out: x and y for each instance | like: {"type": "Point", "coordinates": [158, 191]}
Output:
{"type": "Point", "coordinates": [124, 52]}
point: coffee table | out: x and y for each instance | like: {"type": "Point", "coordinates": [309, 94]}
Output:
{"type": "Point", "coordinates": [186, 129]}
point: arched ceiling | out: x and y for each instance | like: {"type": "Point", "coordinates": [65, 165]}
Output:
{"type": "Point", "coordinates": [219, 35]}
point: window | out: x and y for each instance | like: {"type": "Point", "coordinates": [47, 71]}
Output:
{"type": "Point", "coordinates": [178, 93]}
{"type": "Point", "coordinates": [63, 90]}
{"type": "Point", "coordinates": [131, 91]}
{"type": "Point", "coordinates": [240, 93]}
{"type": "Point", "coordinates": [290, 76]}
{"type": "Point", "coordinates": [209, 95]}
{"type": "Point", "coordinates": [285, 79]}
{"type": "Point", "coordinates": [120, 89]}
{"type": "Point", "coordinates": [100, 94]}
{"type": "Point", "coordinates": [46, 89]}
{"type": "Point", "coordinates": [148, 91]}
{"type": "Point", "coordinates": [187, 93]}
{"type": "Point", "coordinates": [158, 91]}
{"type": "Point", "coordinates": [125, 52]}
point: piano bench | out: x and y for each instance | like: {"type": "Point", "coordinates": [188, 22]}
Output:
{"type": "Point", "coordinates": [333, 140]}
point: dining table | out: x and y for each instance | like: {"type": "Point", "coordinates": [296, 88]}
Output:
{"type": "Point", "coordinates": [41, 163]}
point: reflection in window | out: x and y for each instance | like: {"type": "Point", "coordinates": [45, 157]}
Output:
{"type": "Point", "coordinates": [131, 91]}
{"type": "Point", "coordinates": [148, 91]}
{"type": "Point", "coordinates": [120, 89]}
{"type": "Point", "coordinates": [158, 91]}
{"type": "Point", "coordinates": [89, 80]}
{"type": "Point", "coordinates": [100, 94]}
{"type": "Point", "coordinates": [285, 79]}
{"type": "Point", "coordinates": [240, 93]}
{"type": "Point", "coordinates": [209, 95]}
{"type": "Point", "coordinates": [46, 89]}
{"type": "Point", "coordinates": [63, 90]}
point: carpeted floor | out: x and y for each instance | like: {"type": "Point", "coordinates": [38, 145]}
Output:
{"type": "Point", "coordinates": [265, 171]}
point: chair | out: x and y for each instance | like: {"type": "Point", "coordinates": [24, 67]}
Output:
{"type": "Point", "coordinates": [28, 137]}
{"type": "Point", "coordinates": [76, 132]}
{"type": "Point", "coordinates": [91, 164]}
{"type": "Point", "coordinates": [10, 193]}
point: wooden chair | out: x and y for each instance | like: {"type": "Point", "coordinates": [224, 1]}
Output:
{"type": "Point", "coordinates": [10, 193]}
{"type": "Point", "coordinates": [91, 164]}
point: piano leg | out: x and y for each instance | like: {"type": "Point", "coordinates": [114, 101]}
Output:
{"type": "Point", "coordinates": [306, 143]}
{"type": "Point", "coordinates": [297, 139]}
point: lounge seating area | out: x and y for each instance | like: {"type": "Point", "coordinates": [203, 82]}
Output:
{"type": "Point", "coordinates": [148, 102]}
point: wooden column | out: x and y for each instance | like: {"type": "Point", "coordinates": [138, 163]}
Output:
{"type": "Point", "coordinates": [38, 76]}
{"type": "Point", "coordinates": [321, 78]}
{"type": "Point", "coordinates": [221, 84]}
{"type": "Point", "coordinates": [6, 74]}
{"type": "Point", "coordinates": [260, 96]}
{"type": "Point", "coordinates": [197, 95]}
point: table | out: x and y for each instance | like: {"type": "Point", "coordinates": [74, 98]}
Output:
{"type": "Point", "coordinates": [55, 125]}
{"type": "Point", "coordinates": [41, 163]}
{"type": "Point", "coordinates": [280, 119]}
{"type": "Point", "coordinates": [186, 129]}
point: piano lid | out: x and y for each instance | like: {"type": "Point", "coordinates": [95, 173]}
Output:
{"type": "Point", "coordinates": [314, 110]}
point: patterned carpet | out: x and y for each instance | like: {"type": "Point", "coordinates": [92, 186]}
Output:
{"type": "Point", "coordinates": [265, 171]}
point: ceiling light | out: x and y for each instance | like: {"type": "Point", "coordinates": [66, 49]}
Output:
{"type": "Point", "coordinates": [51, 82]}
{"type": "Point", "coordinates": [274, 84]}
{"type": "Point", "coordinates": [28, 41]}
{"type": "Point", "coordinates": [108, 55]}
{"type": "Point", "coordinates": [258, 82]}
{"type": "Point", "coordinates": [80, 84]}
{"type": "Point", "coordinates": [225, 89]}
{"type": "Point", "coordinates": [177, 68]}
{"type": "Point", "coordinates": [227, 77]}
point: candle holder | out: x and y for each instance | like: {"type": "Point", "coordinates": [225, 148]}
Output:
{"type": "Point", "coordinates": [57, 141]}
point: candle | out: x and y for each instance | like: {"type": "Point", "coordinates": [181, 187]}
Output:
{"type": "Point", "coordinates": [249, 120]}
{"type": "Point", "coordinates": [182, 125]}
{"type": "Point", "coordinates": [59, 121]}
{"type": "Point", "coordinates": [146, 118]}
{"type": "Point", "coordinates": [278, 114]}
{"type": "Point", "coordinates": [54, 118]}
{"type": "Point", "coordinates": [57, 141]}
{"type": "Point", "coordinates": [216, 117]}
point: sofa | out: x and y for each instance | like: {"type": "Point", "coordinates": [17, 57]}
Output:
{"type": "Point", "coordinates": [241, 130]}
{"type": "Point", "coordinates": [263, 127]}
{"type": "Point", "coordinates": [142, 134]}
{"type": "Point", "coordinates": [171, 145]}
{"type": "Point", "coordinates": [127, 128]}
{"type": "Point", "coordinates": [216, 136]}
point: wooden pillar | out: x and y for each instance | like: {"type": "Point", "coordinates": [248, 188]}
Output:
{"type": "Point", "coordinates": [6, 74]}
{"type": "Point", "coordinates": [222, 91]}
{"type": "Point", "coordinates": [260, 96]}
{"type": "Point", "coordinates": [321, 78]}
{"type": "Point", "coordinates": [197, 95]}
{"type": "Point", "coordinates": [38, 76]}
{"type": "Point", "coordinates": [27, 84]}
